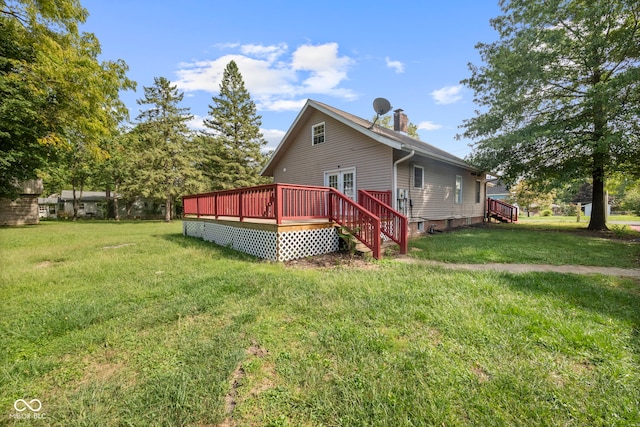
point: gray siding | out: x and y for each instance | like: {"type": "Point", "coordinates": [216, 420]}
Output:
{"type": "Point", "coordinates": [436, 201]}
{"type": "Point", "coordinates": [344, 147]}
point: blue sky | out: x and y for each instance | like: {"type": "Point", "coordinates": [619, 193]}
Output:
{"type": "Point", "coordinates": [344, 53]}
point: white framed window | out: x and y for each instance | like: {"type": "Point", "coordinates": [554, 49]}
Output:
{"type": "Point", "coordinates": [458, 192]}
{"type": "Point", "coordinates": [317, 134]}
{"type": "Point", "coordinates": [418, 176]}
{"type": "Point", "coordinates": [478, 191]}
{"type": "Point", "coordinates": [420, 226]}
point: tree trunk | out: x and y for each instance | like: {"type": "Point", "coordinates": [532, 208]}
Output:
{"type": "Point", "coordinates": [598, 219]}
{"type": "Point", "coordinates": [116, 212]}
{"type": "Point", "coordinates": [167, 209]}
{"type": "Point", "coordinates": [76, 204]}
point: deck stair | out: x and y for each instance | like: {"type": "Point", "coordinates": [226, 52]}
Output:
{"type": "Point", "coordinates": [501, 211]}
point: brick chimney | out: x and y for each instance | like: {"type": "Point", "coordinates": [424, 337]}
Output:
{"type": "Point", "coordinates": [400, 121]}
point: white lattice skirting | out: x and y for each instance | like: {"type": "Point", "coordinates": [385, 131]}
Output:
{"type": "Point", "coordinates": [267, 244]}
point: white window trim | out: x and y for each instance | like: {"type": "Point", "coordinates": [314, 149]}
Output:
{"type": "Point", "coordinates": [458, 195]}
{"type": "Point", "coordinates": [324, 133]}
{"type": "Point", "coordinates": [478, 194]}
{"type": "Point", "coordinates": [413, 177]}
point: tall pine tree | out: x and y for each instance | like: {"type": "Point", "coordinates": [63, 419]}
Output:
{"type": "Point", "coordinates": [234, 143]}
{"type": "Point", "coordinates": [167, 158]}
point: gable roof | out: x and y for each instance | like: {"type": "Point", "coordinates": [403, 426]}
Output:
{"type": "Point", "coordinates": [377, 133]}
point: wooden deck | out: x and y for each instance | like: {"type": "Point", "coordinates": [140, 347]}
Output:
{"type": "Point", "coordinates": [281, 208]}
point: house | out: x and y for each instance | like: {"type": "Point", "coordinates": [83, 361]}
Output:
{"type": "Point", "coordinates": [496, 190]}
{"type": "Point", "coordinates": [93, 204]}
{"type": "Point", "coordinates": [24, 209]}
{"type": "Point", "coordinates": [328, 147]}
{"type": "Point", "coordinates": [48, 207]}
{"type": "Point", "coordinates": [587, 208]}
{"type": "Point", "coordinates": [334, 170]}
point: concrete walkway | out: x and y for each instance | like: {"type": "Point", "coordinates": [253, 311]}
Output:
{"type": "Point", "coordinates": [527, 268]}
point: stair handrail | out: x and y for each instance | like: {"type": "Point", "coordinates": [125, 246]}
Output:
{"type": "Point", "coordinates": [358, 221]}
{"type": "Point", "coordinates": [503, 209]}
{"type": "Point", "coordinates": [393, 224]}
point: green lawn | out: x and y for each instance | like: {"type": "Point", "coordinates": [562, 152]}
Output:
{"type": "Point", "coordinates": [556, 243]}
{"type": "Point", "coordinates": [133, 324]}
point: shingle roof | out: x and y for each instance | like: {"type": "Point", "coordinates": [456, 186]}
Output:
{"type": "Point", "coordinates": [87, 196]}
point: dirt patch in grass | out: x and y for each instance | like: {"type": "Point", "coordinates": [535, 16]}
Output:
{"type": "Point", "coordinates": [481, 373]}
{"type": "Point", "coordinates": [332, 260]}
{"type": "Point", "coordinates": [122, 245]}
{"type": "Point", "coordinates": [232, 399]}
{"type": "Point", "coordinates": [44, 264]}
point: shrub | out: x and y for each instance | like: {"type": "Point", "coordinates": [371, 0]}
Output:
{"type": "Point", "coordinates": [546, 212]}
{"type": "Point", "coordinates": [631, 200]}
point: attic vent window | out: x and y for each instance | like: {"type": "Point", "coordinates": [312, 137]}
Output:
{"type": "Point", "coordinates": [317, 134]}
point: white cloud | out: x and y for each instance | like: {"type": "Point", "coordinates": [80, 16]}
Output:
{"type": "Point", "coordinates": [273, 137]}
{"type": "Point", "coordinates": [429, 126]}
{"type": "Point", "coordinates": [268, 52]}
{"type": "Point", "coordinates": [396, 65]}
{"type": "Point", "coordinates": [447, 94]}
{"type": "Point", "coordinates": [282, 105]}
{"type": "Point", "coordinates": [275, 80]}
{"type": "Point", "coordinates": [196, 123]}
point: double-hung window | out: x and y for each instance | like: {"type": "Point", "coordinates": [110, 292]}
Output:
{"type": "Point", "coordinates": [317, 134]}
{"type": "Point", "coordinates": [418, 176]}
{"type": "Point", "coordinates": [458, 193]}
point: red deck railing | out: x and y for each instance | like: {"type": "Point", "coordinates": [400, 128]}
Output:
{"type": "Point", "coordinates": [393, 224]}
{"type": "Point", "coordinates": [501, 210]}
{"type": "Point", "coordinates": [282, 202]}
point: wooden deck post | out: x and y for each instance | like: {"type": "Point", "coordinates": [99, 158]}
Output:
{"type": "Point", "coordinates": [279, 200]}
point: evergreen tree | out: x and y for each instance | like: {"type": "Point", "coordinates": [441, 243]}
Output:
{"type": "Point", "coordinates": [165, 161]}
{"type": "Point", "coordinates": [233, 156]}
{"type": "Point", "coordinates": [560, 94]}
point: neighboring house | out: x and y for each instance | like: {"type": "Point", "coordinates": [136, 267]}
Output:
{"type": "Point", "coordinates": [589, 206]}
{"type": "Point", "coordinates": [24, 209]}
{"type": "Point", "coordinates": [496, 190]}
{"type": "Point", "coordinates": [48, 207]}
{"type": "Point", "coordinates": [93, 204]}
{"type": "Point", "coordinates": [328, 147]}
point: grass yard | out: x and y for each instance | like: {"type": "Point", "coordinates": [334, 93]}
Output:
{"type": "Point", "coordinates": [555, 243]}
{"type": "Point", "coordinates": [134, 324]}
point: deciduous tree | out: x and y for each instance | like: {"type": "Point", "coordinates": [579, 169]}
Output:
{"type": "Point", "coordinates": [56, 99]}
{"type": "Point", "coordinates": [559, 94]}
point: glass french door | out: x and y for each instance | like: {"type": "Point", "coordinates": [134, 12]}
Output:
{"type": "Point", "coordinates": [343, 180]}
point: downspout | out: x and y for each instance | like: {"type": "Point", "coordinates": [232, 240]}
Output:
{"type": "Point", "coordinates": [394, 185]}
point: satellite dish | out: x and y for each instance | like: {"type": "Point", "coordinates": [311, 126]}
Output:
{"type": "Point", "coordinates": [381, 106]}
